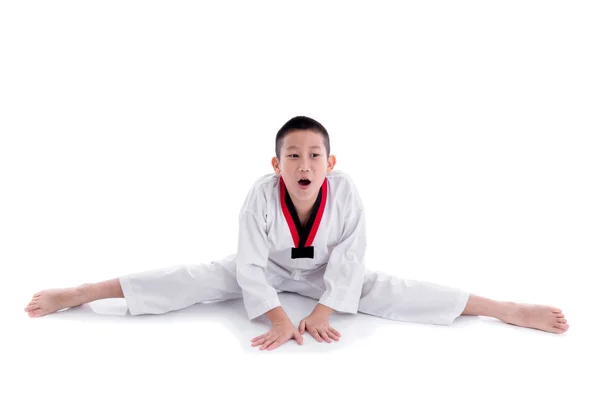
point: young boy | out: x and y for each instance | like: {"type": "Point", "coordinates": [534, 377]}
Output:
{"type": "Point", "coordinates": [302, 230]}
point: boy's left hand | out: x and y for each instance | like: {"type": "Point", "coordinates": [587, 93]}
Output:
{"type": "Point", "coordinates": [317, 324]}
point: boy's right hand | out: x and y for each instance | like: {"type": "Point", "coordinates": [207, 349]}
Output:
{"type": "Point", "coordinates": [280, 333]}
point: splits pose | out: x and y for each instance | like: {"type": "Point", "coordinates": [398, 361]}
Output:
{"type": "Point", "coordinates": [301, 230]}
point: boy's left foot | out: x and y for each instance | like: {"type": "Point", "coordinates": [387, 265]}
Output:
{"type": "Point", "coordinates": [545, 318]}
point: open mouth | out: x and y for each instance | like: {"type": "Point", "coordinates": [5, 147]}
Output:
{"type": "Point", "coordinates": [304, 183]}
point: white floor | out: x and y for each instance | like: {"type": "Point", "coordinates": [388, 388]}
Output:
{"type": "Point", "coordinates": [101, 351]}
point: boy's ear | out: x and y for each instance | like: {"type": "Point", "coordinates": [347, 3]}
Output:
{"type": "Point", "coordinates": [330, 163]}
{"type": "Point", "coordinates": [275, 164]}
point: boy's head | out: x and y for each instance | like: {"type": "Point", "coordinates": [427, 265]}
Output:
{"type": "Point", "coordinates": [302, 152]}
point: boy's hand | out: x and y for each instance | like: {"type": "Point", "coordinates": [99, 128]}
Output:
{"type": "Point", "coordinates": [317, 324]}
{"type": "Point", "coordinates": [280, 333]}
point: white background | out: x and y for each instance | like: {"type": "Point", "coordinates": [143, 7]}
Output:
{"type": "Point", "coordinates": [131, 132]}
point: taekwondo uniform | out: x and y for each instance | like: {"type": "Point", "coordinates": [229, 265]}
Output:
{"type": "Point", "coordinates": [325, 260]}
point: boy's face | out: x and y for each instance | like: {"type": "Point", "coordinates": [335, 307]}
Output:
{"type": "Point", "coordinates": [303, 156]}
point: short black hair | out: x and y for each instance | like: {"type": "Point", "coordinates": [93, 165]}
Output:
{"type": "Point", "coordinates": [300, 123]}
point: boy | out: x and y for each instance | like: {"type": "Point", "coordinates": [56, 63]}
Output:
{"type": "Point", "coordinates": [302, 230]}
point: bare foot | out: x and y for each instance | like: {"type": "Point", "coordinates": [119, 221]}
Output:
{"type": "Point", "coordinates": [49, 301]}
{"type": "Point", "coordinates": [545, 318]}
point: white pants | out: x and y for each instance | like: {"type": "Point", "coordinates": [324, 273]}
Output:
{"type": "Point", "coordinates": [173, 288]}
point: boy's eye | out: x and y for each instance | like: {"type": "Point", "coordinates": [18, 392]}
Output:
{"type": "Point", "coordinates": [296, 155]}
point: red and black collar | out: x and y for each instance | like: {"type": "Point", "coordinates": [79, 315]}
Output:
{"type": "Point", "coordinates": [303, 237]}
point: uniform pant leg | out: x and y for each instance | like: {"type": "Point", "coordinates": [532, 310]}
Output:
{"type": "Point", "coordinates": [175, 287]}
{"type": "Point", "coordinates": [389, 297]}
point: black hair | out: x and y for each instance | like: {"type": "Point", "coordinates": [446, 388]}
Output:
{"type": "Point", "coordinates": [300, 123]}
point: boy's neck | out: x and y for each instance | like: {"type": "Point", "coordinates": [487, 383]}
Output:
{"type": "Point", "coordinates": [303, 208]}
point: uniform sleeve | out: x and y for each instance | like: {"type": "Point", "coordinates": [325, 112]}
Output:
{"type": "Point", "coordinates": [251, 262]}
{"type": "Point", "coordinates": [345, 269]}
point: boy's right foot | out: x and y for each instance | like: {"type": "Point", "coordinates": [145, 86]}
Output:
{"type": "Point", "coordinates": [49, 301]}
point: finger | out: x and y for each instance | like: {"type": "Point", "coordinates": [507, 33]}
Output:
{"type": "Point", "coordinates": [277, 343]}
{"type": "Point", "coordinates": [324, 335]}
{"type": "Point", "coordinates": [267, 343]}
{"type": "Point", "coordinates": [260, 337]}
{"type": "Point", "coordinates": [336, 332]}
{"type": "Point", "coordinates": [316, 335]}
{"type": "Point", "coordinates": [259, 342]}
{"type": "Point", "coordinates": [332, 334]}
{"type": "Point", "coordinates": [302, 326]}
{"type": "Point", "coordinates": [298, 337]}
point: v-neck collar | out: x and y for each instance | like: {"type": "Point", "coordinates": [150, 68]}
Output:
{"type": "Point", "coordinates": [303, 236]}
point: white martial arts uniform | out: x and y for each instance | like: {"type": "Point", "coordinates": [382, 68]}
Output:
{"type": "Point", "coordinates": [324, 261]}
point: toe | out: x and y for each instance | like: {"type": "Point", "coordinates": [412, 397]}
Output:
{"type": "Point", "coordinates": [36, 313]}
{"type": "Point", "coordinates": [561, 320]}
{"type": "Point", "coordinates": [561, 327]}
{"type": "Point", "coordinates": [556, 329]}
{"type": "Point", "coordinates": [556, 310]}
{"type": "Point", "coordinates": [31, 307]}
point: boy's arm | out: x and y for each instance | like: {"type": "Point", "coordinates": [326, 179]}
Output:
{"type": "Point", "coordinates": [345, 269]}
{"type": "Point", "coordinates": [277, 315]}
{"type": "Point", "coordinates": [251, 261]}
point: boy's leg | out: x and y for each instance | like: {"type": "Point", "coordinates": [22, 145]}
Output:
{"type": "Point", "coordinates": [406, 300]}
{"type": "Point", "coordinates": [180, 286]}
{"type": "Point", "coordinates": [150, 292]}
{"type": "Point", "coordinates": [49, 301]}
{"type": "Point", "coordinates": [550, 319]}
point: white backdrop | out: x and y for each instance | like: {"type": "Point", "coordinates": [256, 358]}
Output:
{"type": "Point", "coordinates": [130, 133]}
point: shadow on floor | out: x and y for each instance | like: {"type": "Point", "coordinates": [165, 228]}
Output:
{"type": "Point", "coordinates": [232, 314]}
